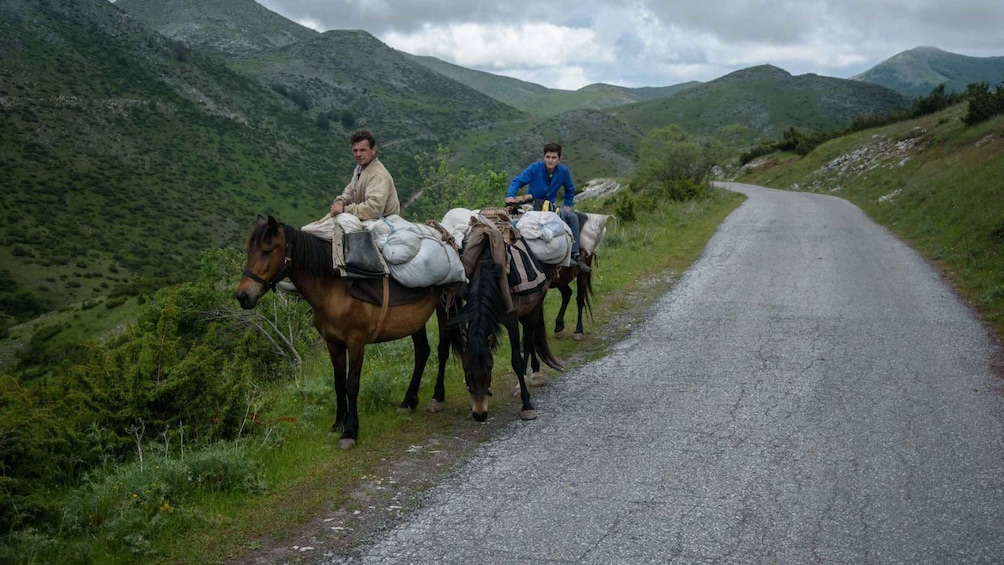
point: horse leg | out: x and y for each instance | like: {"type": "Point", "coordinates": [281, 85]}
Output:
{"type": "Point", "coordinates": [351, 431]}
{"type": "Point", "coordinates": [420, 339]}
{"type": "Point", "coordinates": [446, 338]}
{"type": "Point", "coordinates": [559, 321]}
{"type": "Point", "coordinates": [536, 377]}
{"type": "Point", "coordinates": [519, 362]}
{"type": "Point", "coordinates": [581, 287]}
{"type": "Point", "coordinates": [337, 353]}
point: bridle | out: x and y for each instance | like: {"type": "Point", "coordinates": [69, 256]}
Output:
{"type": "Point", "coordinates": [278, 276]}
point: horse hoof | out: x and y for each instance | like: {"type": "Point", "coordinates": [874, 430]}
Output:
{"type": "Point", "coordinates": [527, 415]}
{"type": "Point", "coordinates": [436, 406]}
{"type": "Point", "coordinates": [559, 335]}
{"type": "Point", "coordinates": [536, 379]}
{"type": "Point", "coordinates": [577, 337]}
{"type": "Point", "coordinates": [346, 443]}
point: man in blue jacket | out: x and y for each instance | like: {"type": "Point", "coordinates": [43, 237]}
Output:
{"type": "Point", "coordinates": [545, 178]}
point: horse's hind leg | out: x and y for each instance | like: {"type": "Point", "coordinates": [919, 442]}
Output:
{"type": "Point", "coordinates": [420, 339]}
{"type": "Point", "coordinates": [559, 321]}
{"type": "Point", "coordinates": [337, 353]}
{"type": "Point", "coordinates": [581, 288]}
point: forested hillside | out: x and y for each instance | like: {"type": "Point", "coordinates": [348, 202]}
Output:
{"type": "Point", "coordinates": [766, 101]}
{"type": "Point", "coordinates": [124, 155]}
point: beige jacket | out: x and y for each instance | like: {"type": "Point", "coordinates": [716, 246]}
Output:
{"type": "Point", "coordinates": [371, 193]}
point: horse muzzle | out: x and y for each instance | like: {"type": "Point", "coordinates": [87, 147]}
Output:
{"type": "Point", "coordinates": [479, 406]}
{"type": "Point", "coordinates": [246, 295]}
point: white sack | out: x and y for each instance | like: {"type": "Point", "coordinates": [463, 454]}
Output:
{"type": "Point", "coordinates": [400, 246]}
{"type": "Point", "coordinates": [457, 222]}
{"type": "Point", "coordinates": [541, 225]}
{"type": "Point", "coordinates": [547, 236]}
{"type": "Point", "coordinates": [436, 263]}
{"type": "Point", "coordinates": [591, 233]}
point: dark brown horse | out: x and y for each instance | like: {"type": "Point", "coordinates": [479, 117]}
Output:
{"type": "Point", "coordinates": [562, 279]}
{"type": "Point", "coordinates": [276, 251]}
{"type": "Point", "coordinates": [482, 318]}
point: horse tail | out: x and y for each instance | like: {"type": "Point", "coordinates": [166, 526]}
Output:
{"type": "Point", "coordinates": [540, 346]}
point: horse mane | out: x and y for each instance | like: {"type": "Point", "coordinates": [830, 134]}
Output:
{"type": "Point", "coordinates": [307, 252]}
{"type": "Point", "coordinates": [483, 310]}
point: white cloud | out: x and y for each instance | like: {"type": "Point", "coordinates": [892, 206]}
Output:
{"type": "Point", "coordinates": [571, 43]}
{"type": "Point", "coordinates": [500, 46]}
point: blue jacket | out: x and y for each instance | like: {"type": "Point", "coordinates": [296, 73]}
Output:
{"type": "Point", "coordinates": [536, 176]}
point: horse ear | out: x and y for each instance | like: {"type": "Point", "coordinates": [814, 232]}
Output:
{"type": "Point", "coordinates": [273, 224]}
{"type": "Point", "coordinates": [261, 220]}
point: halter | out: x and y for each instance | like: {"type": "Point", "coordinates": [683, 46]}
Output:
{"type": "Point", "coordinates": [278, 276]}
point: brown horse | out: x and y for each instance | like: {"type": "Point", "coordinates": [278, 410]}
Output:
{"type": "Point", "coordinates": [483, 316]}
{"type": "Point", "coordinates": [276, 251]}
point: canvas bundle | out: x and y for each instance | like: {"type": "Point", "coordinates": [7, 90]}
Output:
{"type": "Point", "coordinates": [416, 254]}
{"type": "Point", "coordinates": [547, 236]}
{"type": "Point", "coordinates": [591, 232]}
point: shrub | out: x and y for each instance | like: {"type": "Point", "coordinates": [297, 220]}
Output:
{"type": "Point", "coordinates": [624, 208]}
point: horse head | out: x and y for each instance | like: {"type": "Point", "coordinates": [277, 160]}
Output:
{"type": "Point", "coordinates": [267, 261]}
{"type": "Point", "coordinates": [481, 317]}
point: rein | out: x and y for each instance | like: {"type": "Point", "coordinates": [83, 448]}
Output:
{"type": "Point", "coordinates": [278, 276]}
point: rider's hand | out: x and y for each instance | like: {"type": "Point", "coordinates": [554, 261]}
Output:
{"type": "Point", "coordinates": [510, 200]}
{"type": "Point", "coordinates": [337, 207]}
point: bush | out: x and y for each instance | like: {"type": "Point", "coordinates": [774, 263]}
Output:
{"type": "Point", "coordinates": [624, 208]}
{"type": "Point", "coordinates": [983, 104]}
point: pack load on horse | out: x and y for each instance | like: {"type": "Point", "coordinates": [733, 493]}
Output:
{"type": "Point", "coordinates": [350, 312]}
{"type": "Point", "coordinates": [506, 290]}
{"type": "Point", "coordinates": [415, 255]}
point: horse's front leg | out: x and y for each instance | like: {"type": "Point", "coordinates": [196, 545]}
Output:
{"type": "Point", "coordinates": [337, 353]}
{"type": "Point", "coordinates": [519, 362]}
{"type": "Point", "coordinates": [351, 432]}
{"type": "Point", "coordinates": [559, 321]}
{"type": "Point", "coordinates": [420, 340]}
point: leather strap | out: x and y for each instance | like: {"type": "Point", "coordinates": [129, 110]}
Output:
{"type": "Point", "coordinates": [383, 309]}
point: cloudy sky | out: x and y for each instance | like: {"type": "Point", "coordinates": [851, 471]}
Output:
{"type": "Point", "coordinates": [568, 44]}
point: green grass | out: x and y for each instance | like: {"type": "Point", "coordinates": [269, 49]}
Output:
{"type": "Point", "coordinates": [937, 184]}
{"type": "Point", "coordinates": [295, 472]}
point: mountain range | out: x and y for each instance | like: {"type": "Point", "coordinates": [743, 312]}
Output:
{"type": "Point", "coordinates": [917, 71]}
{"type": "Point", "coordinates": [138, 134]}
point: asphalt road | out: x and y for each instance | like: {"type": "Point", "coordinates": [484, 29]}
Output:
{"type": "Point", "coordinates": [809, 392]}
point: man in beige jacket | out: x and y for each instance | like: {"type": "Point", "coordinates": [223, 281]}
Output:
{"type": "Point", "coordinates": [371, 192]}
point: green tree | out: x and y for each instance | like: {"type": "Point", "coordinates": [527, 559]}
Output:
{"type": "Point", "coordinates": [444, 188]}
{"type": "Point", "coordinates": [983, 104]}
{"type": "Point", "coordinates": [674, 161]}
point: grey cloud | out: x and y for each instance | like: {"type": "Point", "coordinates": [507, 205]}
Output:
{"type": "Point", "coordinates": [828, 37]}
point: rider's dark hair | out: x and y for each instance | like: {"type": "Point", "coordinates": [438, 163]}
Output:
{"type": "Point", "coordinates": [552, 148]}
{"type": "Point", "coordinates": [360, 135]}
